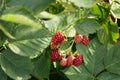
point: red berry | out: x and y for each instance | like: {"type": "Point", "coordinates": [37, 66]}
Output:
{"type": "Point", "coordinates": [77, 61]}
{"type": "Point", "coordinates": [55, 55]}
{"type": "Point", "coordinates": [78, 38]}
{"type": "Point", "coordinates": [63, 62]}
{"type": "Point", "coordinates": [85, 40]}
{"type": "Point", "coordinates": [58, 38]}
{"type": "Point", "coordinates": [69, 60]}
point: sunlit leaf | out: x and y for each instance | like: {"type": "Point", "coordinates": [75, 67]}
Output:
{"type": "Point", "coordinates": [17, 67]}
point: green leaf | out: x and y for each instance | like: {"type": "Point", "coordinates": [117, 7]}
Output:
{"type": "Point", "coordinates": [84, 3]}
{"type": "Point", "coordinates": [116, 8]}
{"type": "Point", "coordinates": [103, 36]}
{"type": "Point", "coordinates": [61, 22]}
{"type": "Point", "coordinates": [32, 5]}
{"type": "Point", "coordinates": [80, 73]}
{"type": "Point", "coordinates": [112, 60]}
{"type": "Point", "coordinates": [2, 3]}
{"type": "Point", "coordinates": [42, 66]}
{"type": "Point", "coordinates": [108, 76]}
{"type": "Point", "coordinates": [87, 26]}
{"type": "Point", "coordinates": [114, 31]}
{"type": "Point", "coordinates": [93, 56]}
{"type": "Point", "coordinates": [6, 32]}
{"type": "Point", "coordinates": [65, 45]}
{"type": "Point", "coordinates": [55, 8]}
{"type": "Point", "coordinates": [45, 15]}
{"type": "Point", "coordinates": [3, 76]}
{"type": "Point", "coordinates": [71, 32]}
{"type": "Point", "coordinates": [1, 42]}
{"type": "Point", "coordinates": [108, 33]}
{"type": "Point", "coordinates": [17, 67]}
{"type": "Point", "coordinates": [21, 16]}
{"type": "Point", "coordinates": [30, 41]}
{"type": "Point", "coordinates": [96, 11]}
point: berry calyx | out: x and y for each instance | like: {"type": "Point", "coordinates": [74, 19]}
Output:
{"type": "Point", "coordinates": [69, 60]}
{"type": "Point", "coordinates": [58, 38]}
{"type": "Point", "coordinates": [63, 62]}
{"type": "Point", "coordinates": [53, 46]}
{"type": "Point", "coordinates": [85, 40]}
{"type": "Point", "coordinates": [78, 39]}
{"type": "Point", "coordinates": [55, 55]}
{"type": "Point", "coordinates": [77, 61]}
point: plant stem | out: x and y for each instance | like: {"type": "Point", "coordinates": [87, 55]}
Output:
{"type": "Point", "coordinates": [1, 48]}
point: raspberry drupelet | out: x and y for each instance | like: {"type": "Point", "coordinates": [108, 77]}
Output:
{"type": "Point", "coordinates": [77, 61]}
{"type": "Point", "coordinates": [58, 38]}
{"type": "Point", "coordinates": [78, 39]}
{"type": "Point", "coordinates": [55, 55]}
{"type": "Point", "coordinates": [85, 40]}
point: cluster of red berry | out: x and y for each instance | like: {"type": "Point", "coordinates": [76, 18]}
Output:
{"type": "Point", "coordinates": [75, 60]}
{"type": "Point", "coordinates": [68, 59]}
{"type": "Point", "coordinates": [81, 39]}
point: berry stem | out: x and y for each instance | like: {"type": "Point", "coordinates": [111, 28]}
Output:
{"type": "Point", "coordinates": [2, 48]}
{"type": "Point", "coordinates": [72, 42]}
{"type": "Point", "coordinates": [54, 64]}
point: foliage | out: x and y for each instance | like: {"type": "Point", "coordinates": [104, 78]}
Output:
{"type": "Point", "coordinates": [27, 28]}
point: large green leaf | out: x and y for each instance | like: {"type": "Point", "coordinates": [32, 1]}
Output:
{"type": "Point", "coordinates": [112, 60]}
{"type": "Point", "coordinates": [2, 2]}
{"type": "Point", "coordinates": [6, 32]}
{"type": "Point", "coordinates": [45, 15]}
{"type": "Point", "coordinates": [84, 3]}
{"type": "Point", "coordinates": [3, 76]}
{"type": "Point", "coordinates": [116, 8]}
{"type": "Point", "coordinates": [21, 16]}
{"type": "Point", "coordinates": [32, 5]}
{"type": "Point", "coordinates": [93, 56]}
{"type": "Point", "coordinates": [42, 66]}
{"type": "Point", "coordinates": [87, 26]}
{"type": "Point", "coordinates": [108, 76]}
{"type": "Point", "coordinates": [17, 67]}
{"type": "Point", "coordinates": [80, 73]}
{"type": "Point", "coordinates": [61, 22]}
{"type": "Point", "coordinates": [30, 41]}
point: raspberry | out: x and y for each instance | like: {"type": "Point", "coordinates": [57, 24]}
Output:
{"type": "Point", "coordinates": [58, 38]}
{"type": "Point", "coordinates": [85, 40]}
{"type": "Point", "coordinates": [63, 62]}
{"type": "Point", "coordinates": [69, 60]}
{"type": "Point", "coordinates": [55, 55]}
{"type": "Point", "coordinates": [77, 61]}
{"type": "Point", "coordinates": [78, 38]}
